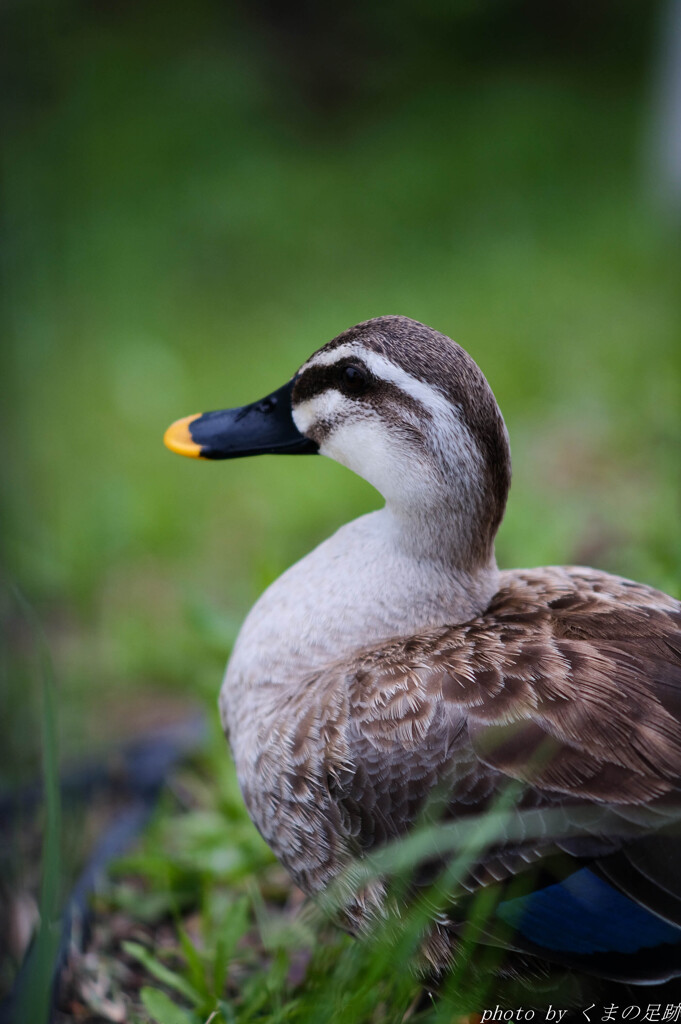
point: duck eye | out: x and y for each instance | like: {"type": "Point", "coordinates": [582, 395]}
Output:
{"type": "Point", "coordinates": [353, 380]}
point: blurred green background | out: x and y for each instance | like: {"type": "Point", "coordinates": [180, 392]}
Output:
{"type": "Point", "coordinates": [199, 195]}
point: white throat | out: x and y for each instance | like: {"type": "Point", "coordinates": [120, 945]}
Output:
{"type": "Point", "coordinates": [365, 584]}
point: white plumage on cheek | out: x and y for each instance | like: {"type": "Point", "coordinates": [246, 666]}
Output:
{"type": "Point", "coordinates": [357, 436]}
{"type": "Point", "coordinates": [327, 407]}
{"type": "Point", "coordinates": [370, 449]}
{"type": "Point", "coordinates": [363, 442]}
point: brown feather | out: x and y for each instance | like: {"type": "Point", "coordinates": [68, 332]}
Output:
{"type": "Point", "coordinates": [547, 687]}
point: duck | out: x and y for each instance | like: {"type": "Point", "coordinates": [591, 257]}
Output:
{"type": "Point", "coordinates": [396, 673]}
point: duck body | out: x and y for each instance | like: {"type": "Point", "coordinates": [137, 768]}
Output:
{"type": "Point", "coordinates": [395, 672]}
{"type": "Point", "coordinates": [553, 685]}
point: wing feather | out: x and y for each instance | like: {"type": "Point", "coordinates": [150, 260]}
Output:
{"type": "Point", "coordinates": [570, 683]}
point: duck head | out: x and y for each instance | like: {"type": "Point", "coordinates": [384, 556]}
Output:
{"type": "Point", "coordinates": [401, 405]}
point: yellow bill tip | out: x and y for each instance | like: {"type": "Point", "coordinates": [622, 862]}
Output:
{"type": "Point", "coordinates": [178, 438]}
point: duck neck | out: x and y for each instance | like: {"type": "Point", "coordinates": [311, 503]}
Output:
{"type": "Point", "coordinates": [376, 578]}
{"type": "Point", "coordinates": [440, 533]}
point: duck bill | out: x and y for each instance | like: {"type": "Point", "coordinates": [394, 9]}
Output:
{"type": "Point", "coordinates": [263, 428]}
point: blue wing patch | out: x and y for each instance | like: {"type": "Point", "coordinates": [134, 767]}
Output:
{"type": "Point", "coordinates": [584, 914]}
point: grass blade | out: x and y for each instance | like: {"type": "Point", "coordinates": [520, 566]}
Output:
{"type": "Point", "coordinates": [162, 1008]}
{"type": "Point", "coordinates": [36, 989]}
{"type": "Point", "coordinates": [161, 972]}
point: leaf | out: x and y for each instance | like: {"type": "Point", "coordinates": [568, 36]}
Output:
{"type": "Point", "coordinates": [233, 928]}
{"type": "Point", "coordinates": [195, 966]}
{"type": "Point", "coordinates": [161, 972]}
{"type": "Point", "coordinates": [162, 1008]}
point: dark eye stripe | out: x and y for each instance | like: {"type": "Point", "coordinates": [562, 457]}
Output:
{"type": "Point", "coordinates": [384, 396]}
{"type": "Point", "coordinates": [316, 379]}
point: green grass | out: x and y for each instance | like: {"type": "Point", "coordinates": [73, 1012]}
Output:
{"type": "Point", "coordinates": [35, 996]}
{"type": "Point", "coordinates": [237, 948]}
{"type": "Point", "coordinates": [181, 239]}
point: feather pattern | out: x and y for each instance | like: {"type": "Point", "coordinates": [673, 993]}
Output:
{"type": "Point", "coordinates": [569, 683]}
